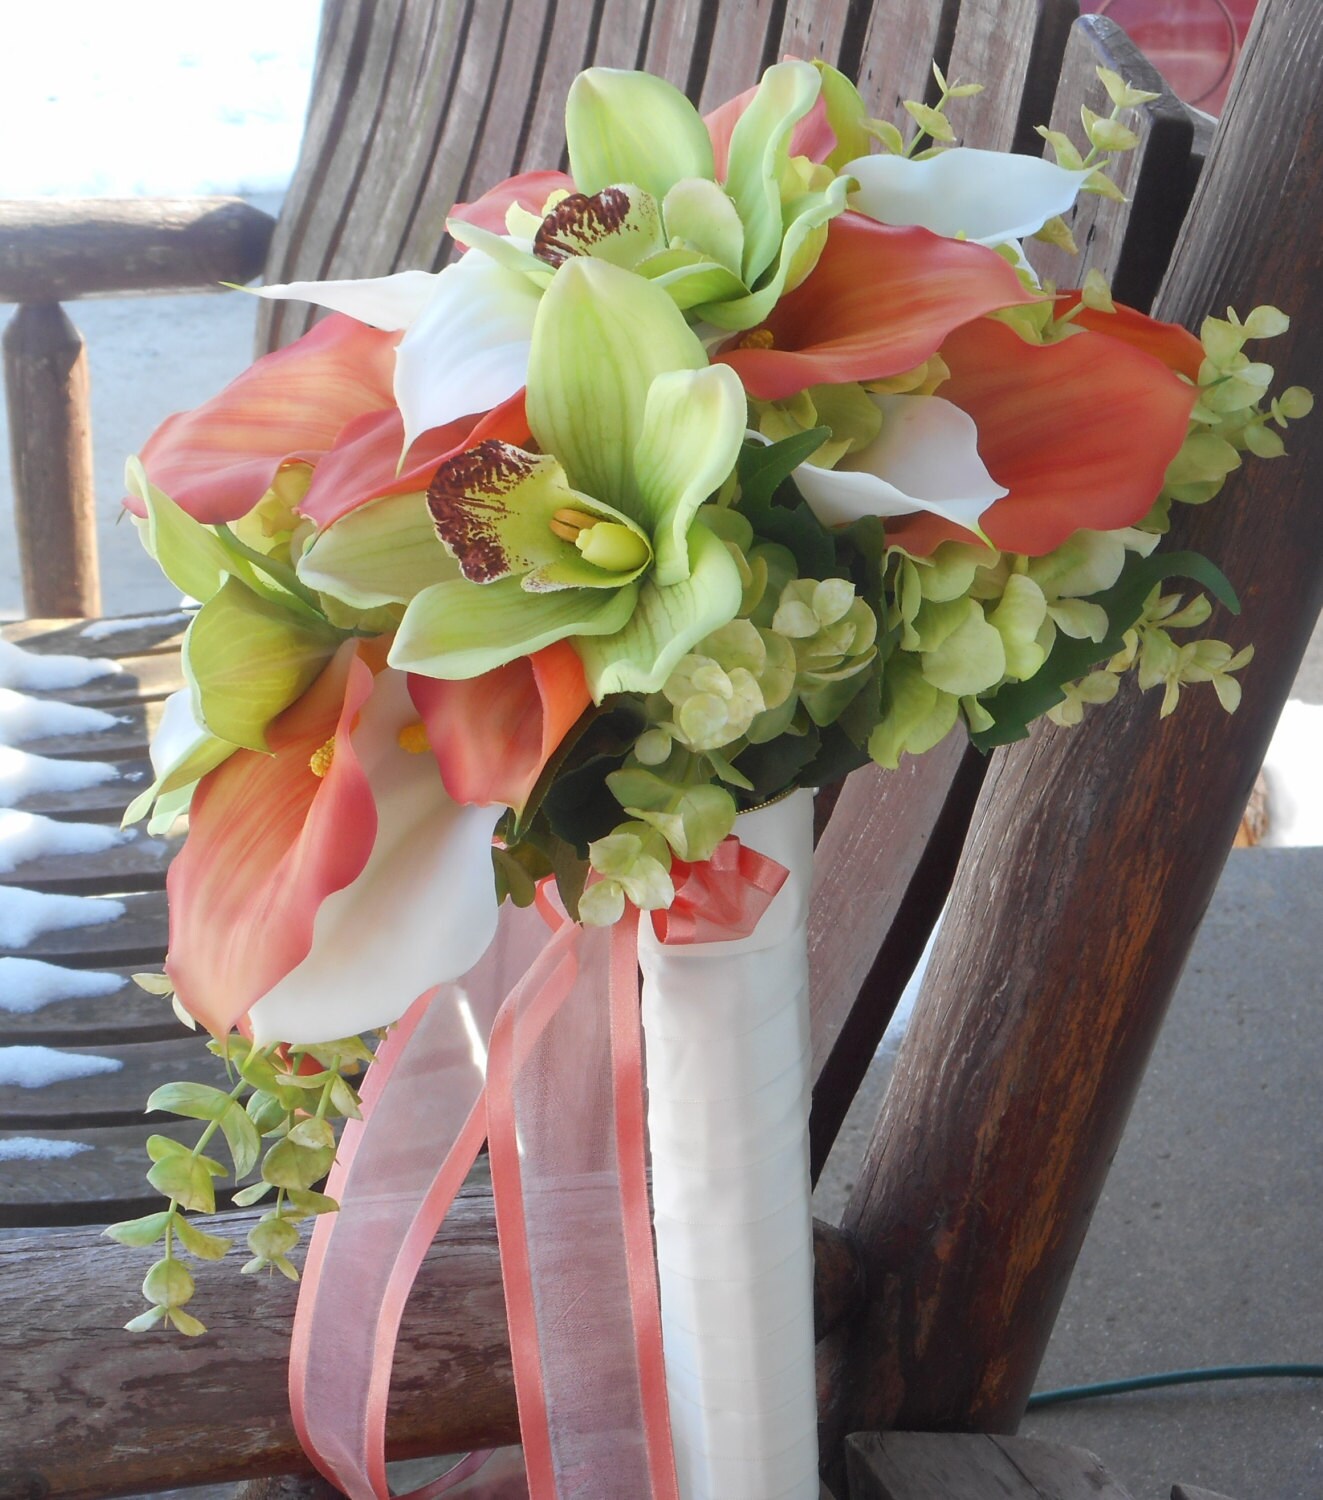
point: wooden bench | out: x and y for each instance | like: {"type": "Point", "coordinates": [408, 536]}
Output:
{"type": "Point", "coordinates": [1081, 861]}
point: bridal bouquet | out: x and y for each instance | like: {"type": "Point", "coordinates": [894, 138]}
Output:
{"type": "Point", "coordinates": [535, 597]}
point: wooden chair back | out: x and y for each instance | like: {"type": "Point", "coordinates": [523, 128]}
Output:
{"type": "Point", "coordinates": [1091, 856]}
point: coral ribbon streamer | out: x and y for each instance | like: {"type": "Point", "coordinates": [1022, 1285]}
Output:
{"type": "Point", "coordinates": [523, 1051]}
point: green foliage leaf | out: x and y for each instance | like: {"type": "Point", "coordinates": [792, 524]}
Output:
{"type": "Point", "coordinates": [195, 1101]}
{"type": "Point", "coordinates": [289, 1164]}
{"type": "Point", "coordinates": [168, 1283]}
{"type": "Point", "coordinates": [272, 1236]}
{"type": "Point", "coordinates": [1017, 705]}
{"type": "Point", "coordinates": [185, 1322]}
{"type": "Point", "coordinates": [788, 521]}
{"type": "Point", "coordinates": [145, 1320]}
{"type": "Point", "coordinates": [241, 1137]}
{"type": "Point", "coordinates": [186, 1179]}
{"type": "Point", "coordinates": [764, 467]}
{"type": "Point", "coordinates": [308, 1202]}
{"type": "Point", "coordinates": [144, 1231]}
{"type": "Point", "coordinates": [198, 1242]}
{"type": "Point", "coordinates": [253, 1193]}
{"type": "Point", "coordinates": [777, 764]}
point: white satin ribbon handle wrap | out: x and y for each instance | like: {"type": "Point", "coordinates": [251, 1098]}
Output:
{"type": "Point", "coordinates": [726, 1033]}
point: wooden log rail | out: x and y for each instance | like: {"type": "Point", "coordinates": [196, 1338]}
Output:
{"type": "Point", "coordinates": [53, 251]}
{"type": "Point", "coordinates": [153, 1417]}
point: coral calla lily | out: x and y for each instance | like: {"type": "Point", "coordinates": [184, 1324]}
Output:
{"type": "Point", "coordinates": [325, 886]}
{"type": "Point", "coordinates": [488, 745]}
{"type": "Point", "coordinates": [218, 460]}
{"type": "Point", "coordinates": [1079, 432]}
{"type": "Point", "coordinates": [879, 302]}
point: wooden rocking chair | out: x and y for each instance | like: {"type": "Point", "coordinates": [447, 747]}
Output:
{"type": "Point", "coordinates": [1077, 864]}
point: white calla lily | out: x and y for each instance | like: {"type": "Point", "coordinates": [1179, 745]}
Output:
{"type": "Point", "coordinates": [989, 197]}
{"type": "Point", "coordinates": [420, 912]}
{"type": "Point", "coordinates": [925, 458]}
{"type": "Point", "coordinates": [468, 350]}
{"type": "Point", "coordinates": [466, 329]}
{"type": "Point", "coordinates": [386, 302]}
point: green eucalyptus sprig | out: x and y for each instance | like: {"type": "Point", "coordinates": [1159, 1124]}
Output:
{"type": "Point", "coordinates": [931, 121]}
{"type": "Point", "coordinates": [277, 1113]}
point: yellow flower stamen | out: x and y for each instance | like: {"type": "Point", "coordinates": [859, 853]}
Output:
{"type": "Point", "coordinates": [567, 523]}
{"type": "Point", "coordinates": [413, 738]}
{"type": "Point", "coordinates": [758, 338]}
{"type": "Point", "coordinates": [319, 762]}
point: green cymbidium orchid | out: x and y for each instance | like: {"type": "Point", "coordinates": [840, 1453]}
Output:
{"type": "Point", "coordinates": [257, 642]}
{"type": "Point", "coordinates": [594, 536]}
{"type": "Point", "coordinates": [648, 197]}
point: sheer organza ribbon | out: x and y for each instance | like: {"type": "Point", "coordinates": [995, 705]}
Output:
{"type": "Point", "coordinates": [538, 1050]}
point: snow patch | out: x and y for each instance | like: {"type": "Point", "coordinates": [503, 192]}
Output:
{"type": "Point", "coordinates": [23, 775]}
{"type": "Point", "coordinates": [39, 1067]}
{"type": "Point", "coordinates": [33, 672]}
{"type": "Point", "coordinates": [26, 914]}
{"type": "Point", "coordinates": [23, 718]}
{"type": "Point", "coordinates": [39, 1148]}
{"type": "Point", "coordinates": [28, 836]}
{"type": "Point", "coordinates": [28, 984]}
{"type": "Point", "coordinates": [99, 629]}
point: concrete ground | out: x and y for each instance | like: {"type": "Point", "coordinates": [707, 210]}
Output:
{"type": "Point", "coordinates": [1207, 1247]}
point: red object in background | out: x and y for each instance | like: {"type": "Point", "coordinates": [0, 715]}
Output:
{"type": "Point", "coordinates": [1194, 44]}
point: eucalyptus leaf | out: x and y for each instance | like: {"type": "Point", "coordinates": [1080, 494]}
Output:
{"type": "Point", "coordinates": [241, 1137]}
{"type": "Point", "coordinates": [144, 1231]}
{"type": "Point", "coordinates": [198, 1242]}
{"type": "Point", "coordinates": [196, 1101]}
{"type": "Point", "coordinates": [185, 1178]}
{"type": "Point", "coordinates": [1015, 706]}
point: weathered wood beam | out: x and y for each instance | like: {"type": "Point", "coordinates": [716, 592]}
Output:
{"type": "Point", "coordinates": [50, 438]}
{"type": "Point", "coordinates": [91, 1411]}
{"type": "Point", "coordinates": [1094, 860]}
{"type": "Point", "coordinates": [962, 1466]}
{"type": "Point", "coordinates": [59, 249]}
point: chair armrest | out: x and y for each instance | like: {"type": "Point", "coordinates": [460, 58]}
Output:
{"type": "Point", "coordinates": [59, 249]}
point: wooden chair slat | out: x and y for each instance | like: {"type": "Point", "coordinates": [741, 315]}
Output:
{"type": "Point", "coordinates": [102, 1098]}
{"type": "Point", "coordinates": [127, 736]}
{"type": "Point", "coordinates": [1084, 884]}
{"type": "Point", "coordinates": [453, 1386]}
{"type": "Point", "coordinates": [956, 1466]}
{"type": "Point", "coordinates": [884, 865]}
{"type": "Point", "coordinates": [453, 1389]}
{"type": "Point", "coordinates": [1013, 48]}
{"type": "Point", "coordinates": [101, 1179]}
{"type": "Point", "coordinates": [102, 803]}
{"type": "Point", "coordinates": [363, 98]}
{"type": "Point", "coordinates": [131, 636]}
{"type": "Point", "coordinates": [813, 30]}
{"type": "Point", "coordinates": [139, 864]}
{"type": "Point", "coordinates": [1130, 243]}
{"type": "Point", "coordinates": [743, 41]}
{"type": "Point", "coordinates": [900, 42]}
{"type": "Point", "coordinates": [574, 40]}
{"type": "Point", "coordinates": [122, 1017]}
{"type": "Point", "coordinates": [498, 92]}
{"type": "Point", "coordinates": [139, 677]}
{"type": "Point", "coordinates": [132, 931]}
